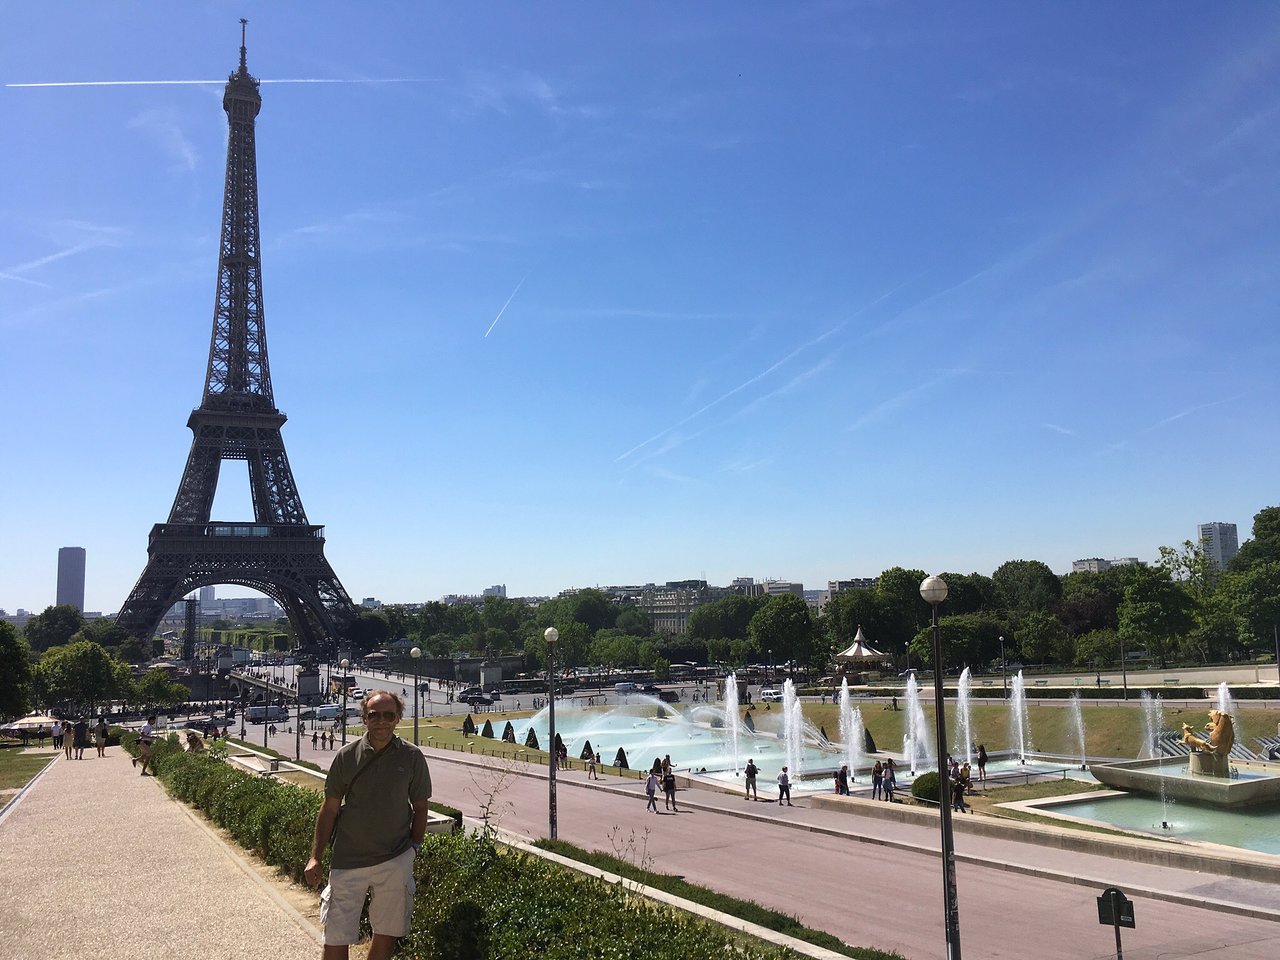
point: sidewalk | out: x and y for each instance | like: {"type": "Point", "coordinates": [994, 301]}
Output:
{"type": "Point", "coordinates": [100, 864]}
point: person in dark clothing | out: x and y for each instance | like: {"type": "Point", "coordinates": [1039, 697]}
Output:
{"type": "Point", "coordinates": [842, 780]}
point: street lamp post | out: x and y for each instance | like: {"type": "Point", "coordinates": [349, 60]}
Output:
{"type": "Point", "coordinates": [551, 634]}
{"type": "Point", "coordinates": [345, 665]}
{"type": "Point", "coordinates": [1004, 676]}
{"type": "Point", "coordinates": [1124, 668]}
{"type": "Point", "coordinates": [244, 708]}
{"type": "Point", "coordinates": [934, 591]}
{"type": "Point", "coordinates": [415, 653]}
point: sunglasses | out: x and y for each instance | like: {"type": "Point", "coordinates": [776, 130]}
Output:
{"type": "Point", "coordinates": [382, 715]}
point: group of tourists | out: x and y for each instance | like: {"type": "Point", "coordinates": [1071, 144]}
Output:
{"type": "Point", "coordinates": [661, 776]}
{"type": "Point", "coordinates": [884, 780]}
{"type": "Point", "coordinates": [321, 739]}
{"type": "Point", "coordinates": [73, 738]}
{"type": "Point", "coordinates": [751, 773]}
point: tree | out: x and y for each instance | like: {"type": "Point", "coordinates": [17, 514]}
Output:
{"type": "Point", "coordinates": [15, 676]}
{"type": "Point", "coordinates": [1042, 637]}
{"type": "Point", "coordinates": [367, 632]}
{"type": "Point", "coordinates": [1265, 545]}
{"type": "Point", "coordinates": [81, 674]}
{"type": "Point", "coordinates": [967, 639]}
{"type": "Point", "coordinates": [54, 627]}
{"type": "Point", "coordinates": [783, 624]}
{"type": "Point", "coordinates": [1025, 585]}
{"type": "Point", "coordinates": [157, 690]}
{"type": "Point", "coordinates": [103, 631]}
{"type": "Point", "coordinates": [1097, 648]}
{"type": "Point", "coordinates": [1253, 596]}
{"type": "Point", "coordinates": [969, 593]}
{"type": "Point", "coordinates": [635, 621]}
{"type": "Point", "coordinates": [850, 609]}
{"type": "Point", "coordinates": [1154, 612]}
{"type": "Point", "coordinates": [726, 618]}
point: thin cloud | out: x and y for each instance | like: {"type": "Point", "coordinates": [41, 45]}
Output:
{"type": "Point", "coordinates": [162, 127]}
{"type": "Point", "coordinates": [736, 390]}
{"type": "Point", "coordinates": [218, 83]}
{"type": "Point", "coordinates": [1192, 410]}
{"type": "Point", "coordinates": [1057, 429]}
{"type": "Point", "coordinates": [505, 305]}
{"type": "Point", "coordinates": [895, 403]}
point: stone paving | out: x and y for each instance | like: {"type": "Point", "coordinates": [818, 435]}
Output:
{"type": "Point", "coordinates": [99, 864]}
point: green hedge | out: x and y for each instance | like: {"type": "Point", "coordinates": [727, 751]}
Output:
{"type": "Point", "coordinates": [474, 900]}
{"type": "Point", "coordinates": [925, 786]}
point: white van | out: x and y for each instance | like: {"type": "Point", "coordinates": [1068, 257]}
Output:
{"type": "Point", "coordinates": [328, 712]}
{"type": "Point", "coordinates": [625, 687]}
{"type": "Point", "coordinates": [772, 695]}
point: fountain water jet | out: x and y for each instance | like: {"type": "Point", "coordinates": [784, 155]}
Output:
{"type": "Point", "coordinates": [1077, 718]}
{"type": "Point", "coordinates": [851, 730]}
{"type": "Point", "coordinates": [731, 721]}
{"type": "Point", "coordinates": [1152, 725]}
{"type": "Point", "coordinates": [965, 731]}
{"type": "Point", "coordinates": [915, 742]}
{"type": "Point", "coordinates": [1019, 724]}
{"type": "Point", "coordinates": [1226, 703]}
{"type": "Point", "coordinates": [792, 728]}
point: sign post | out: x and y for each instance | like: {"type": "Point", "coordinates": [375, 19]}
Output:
{"type": "Point", "coordinates": [1115, 910]}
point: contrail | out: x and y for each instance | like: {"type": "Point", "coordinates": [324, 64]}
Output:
{"type": "Point", "coordinates": [507, 304]}
{"type": "Point", "coordinates": [171, 83]}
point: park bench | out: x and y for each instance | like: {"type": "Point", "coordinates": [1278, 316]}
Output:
{"type": "Point", "coordinates": [1172, 682]}
{"type": "Point", "coordinates": [1104, 682]}
{"type": "Point", "coordinates": [1042, 683]}
{"type": "Point", "coordinates": [986, 683]}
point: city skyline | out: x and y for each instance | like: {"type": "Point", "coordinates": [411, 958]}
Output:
{"type": "Point", "coordinates": [801, 293]}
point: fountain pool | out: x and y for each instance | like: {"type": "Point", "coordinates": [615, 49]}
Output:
{"type": "Point", "coordinates": [1249, 828]}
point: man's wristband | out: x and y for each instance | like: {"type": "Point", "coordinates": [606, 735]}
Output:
{"type": "Point", "coordinates": [417, 845]}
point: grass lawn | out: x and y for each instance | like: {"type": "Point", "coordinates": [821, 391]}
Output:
{"type": "Point", "coordinates": [17, 769]}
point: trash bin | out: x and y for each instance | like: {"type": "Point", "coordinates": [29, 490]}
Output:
{"type": "Point", "coordinates": [275, 765]}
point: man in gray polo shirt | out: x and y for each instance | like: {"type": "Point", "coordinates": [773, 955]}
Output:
{"type": "Point", "coordinates": [376, 796]}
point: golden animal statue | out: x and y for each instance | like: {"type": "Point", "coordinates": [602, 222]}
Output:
{"type": "Point", "coordinates": [1221, 735]}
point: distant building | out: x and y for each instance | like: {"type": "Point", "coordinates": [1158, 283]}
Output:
{"type": "Point", "coordinates": [747, 587]}
{"type": "Point", "coordinates": [1218, 539]}
{"type": "Point", "coordinates": [71, 576]}
{"type": "Point", "coordinates": [1092, 565]}
{"type": "Point", "coordinates": [371, 603]}
{"type": "Point", "coordinates": [208, 594]}
{"type": "Point", "coordinates": [1097, 564]}
{"type": "Point", "coordinates": [857, 583]}
{"type": "Point", "coordinates": [777, 588]}
{"type": "Point", "coordinates": [497, 590]}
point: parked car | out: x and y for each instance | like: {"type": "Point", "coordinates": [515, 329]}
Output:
{"type": "Point", "coordinates": [476, 700]}
{"type": "Point", "coordinates": [771, 695]}
{"type": "Point", "coordinates": [650, 688]}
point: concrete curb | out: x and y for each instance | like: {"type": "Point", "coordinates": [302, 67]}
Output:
{"type": "Point", "coordinates": [17, 797]}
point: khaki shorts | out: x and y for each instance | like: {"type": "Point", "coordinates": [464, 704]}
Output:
{"type": "Point", "coordinates": [390, 910]}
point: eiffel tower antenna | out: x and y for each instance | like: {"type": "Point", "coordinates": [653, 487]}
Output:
{"type": "Point", "coordinates": [279, 552]}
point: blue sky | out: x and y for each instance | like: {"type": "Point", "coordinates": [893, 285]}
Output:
{"type": "Point", "coordinates": [800, 290]}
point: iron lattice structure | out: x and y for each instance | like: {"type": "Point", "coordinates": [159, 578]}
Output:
{"type": "Point", "coordinates": [279, 553]}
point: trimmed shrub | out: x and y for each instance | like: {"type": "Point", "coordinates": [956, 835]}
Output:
{"type": "Point", "coordinates": [925, 786]}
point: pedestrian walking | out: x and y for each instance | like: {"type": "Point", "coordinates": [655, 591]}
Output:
{"type": "Point", "coordinates": [81, 731]}
{"type": "Point", "coordinates": [146, 737]}
{"type": "Point", "coordinates": [375, 815]}
{"type": "Point", "coordinates": [41, 734]}
{"type": "Point", "coordinates": [651, 791]}
{"type": "Point", "coordinates": [100, 736]}
{"type": "Point", "coordinates": [784, 787]}
{"type": "Point", "coordinates": [591, 767]}
{"type": "Point", "coordinates": [877, 780]}
{"type": "Point", "coordinates": [56, 733]}
{"type": "Point", "coordinates": [669, 789]}
{"type": "Point", "coordinates": [982, 763]}
{"type": "Point", "coordinates": [752, 771]}
{"type": "Point", "coordinates": [315, 738]}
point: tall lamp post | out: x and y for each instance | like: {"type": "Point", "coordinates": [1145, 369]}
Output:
{"type": "Point", "coordinates": [1004, 676]}
{"type": "Point", "coordinates": [244, 708]}
{"type": "Point", "coordinates": [934, 591]}
{"type": "Point", "coordinates": [345, 664]}
{"type": "Point", "coordinates": [415, 653]}
{"type": "Point", "coordinates": [551, 635]}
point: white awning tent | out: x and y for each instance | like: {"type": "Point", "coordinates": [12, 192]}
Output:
{"type": "Point", "coordinates": [32, 722]}
{"type": "Point", "coordinates": [860, 649]}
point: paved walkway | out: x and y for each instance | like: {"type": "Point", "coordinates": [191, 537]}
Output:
{"type": "Point", "coordinates": [99, 863]}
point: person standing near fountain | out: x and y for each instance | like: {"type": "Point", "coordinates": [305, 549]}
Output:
{"type": "Point", "coordinates": [651, 791]}
{"type": "Point", "coordinates": [877, 780]}
{"type": "Point", "coordinates": [890, 780]}
{"type": "Point", "coordinates": [982, 763]}
{"type": "Point", "coordinates": [784, 787]}
{"type": "Point", "coordinates": [751, 772]}
{"type": "Point", "coordinates": [842, 781]}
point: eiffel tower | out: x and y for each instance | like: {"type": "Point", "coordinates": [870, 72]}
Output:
{"type": "Point", "coordinates": [279, 553]}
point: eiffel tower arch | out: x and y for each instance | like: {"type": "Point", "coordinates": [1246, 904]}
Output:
{"type": "Point", "coordinates": [277, 553]}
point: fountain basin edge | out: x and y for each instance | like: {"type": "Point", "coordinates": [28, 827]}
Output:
{"type": "Point", "coordinates": [1160, 777]}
